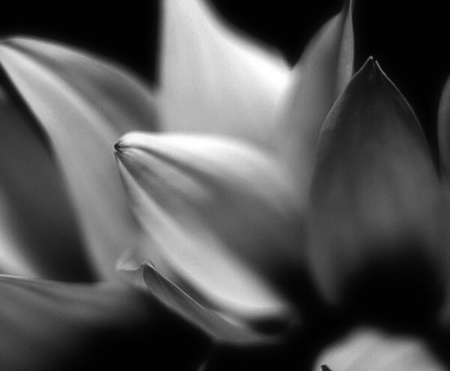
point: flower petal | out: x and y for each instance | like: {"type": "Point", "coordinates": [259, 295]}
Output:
{"type": "Point", "coordinates": [84, 105]}
{"type": "Point", "coordinates": [444, 149]}
{"type": "Point", "coordinates": [444, 131]}
{"type": "Point", "coordinates": [215, 325]}
{"type": "Point", "coordinates": [213, 79]}
{"type": "Point", "coordinates": [50, 326]}
{"type": "Point", "coordinates": [35, 210]}
{"type": "Point", "coordinates": [320, 76]}
{"type": "Point", "coordinates": [214, 208]}
{"type": "Point", "coordinates": [375, 204]}
{"type": "Point", "coordinates": [371, 350]}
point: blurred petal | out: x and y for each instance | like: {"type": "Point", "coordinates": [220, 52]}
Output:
{"type": "Point", "coordinates": [321, 75]}
{"type": "Point", "coordinates": [370, 350]}
{"type": "Point", "coordinates": [217, 326]}
{"type": "Point", "coordinates": [49, 326]}
{"type": "Point", "coordinates": [214, 208]}
{"type": "Point", "coordinates": [38, 231]}
{"type": "Point", "coordinates": [375, 236]}
{"type": "Point", "coordinates": [444, 131]}
{"type": "Point", "coordinates": [84, 105]}
{"type": "Point", "coordinates": [213, 79]}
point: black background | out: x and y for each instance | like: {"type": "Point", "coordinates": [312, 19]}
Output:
{"type": "Point", "coordinates": [409, 39]}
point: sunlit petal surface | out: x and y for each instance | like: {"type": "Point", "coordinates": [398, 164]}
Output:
{"type": "Point", "coordinates": [215, 208]}
{"type": "Point", "coordinates": [213, 79]}
{"type": "Point", "coordinates": [49, 326]}
{"type": "Point", "coordinates": [376, 226]}
{"type": "Point", "coordinates": [84, 105]}
{"type": "Point", "coordinates": [322, 73]}
{"type": "Point", "coordinates": [38, 231]}
{"type": "Point", "coordinates": [220, 328]}
{"type": "Point", "coordinates": [371, 350]}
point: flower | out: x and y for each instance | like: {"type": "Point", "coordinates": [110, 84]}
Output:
{"type": "Point", "coordinates": [338, 215]}
{"type": "Point", "coordinates": [260, 206]}
{"type": "Point", "coordinates": [65, 220]}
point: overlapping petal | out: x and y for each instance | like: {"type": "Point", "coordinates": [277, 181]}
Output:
{"type": "Point", "coordinates": [84, 105]}
{"type": "Point", "coordinates": [39, 234]}
{"type": "Point", "coordinates": [325, 68]}
{"type": "Point", "coordinates": [54, 326]}
{"type": "Point", "coordinates": [376, 222]}
{"type": "Point", "coordinates": [444, 130]}
{"type": "Point", "coordinates": [220, 328]}
{"type": "Point", "coordinates": [212, 79]}
{"type": "Point", "coordinates": [221, 212]}
{"type": "Point", "coordinates": [371, 350]}
{"type": "Point", "coordinates": [444, 151]}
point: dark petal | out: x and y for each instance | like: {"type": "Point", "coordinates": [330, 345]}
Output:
{"type": "Point", "coordinates": [325, 68]}
{"type": "Point", "coordinates": [213, 323]}
{"type": "Point", "coordinates": [376, 205]}
{"type": "Point", "coordinates": [49, 326]}
{"type": "Point", "coordinates": [38, 230]}
{"type": "Point", "coordinates": [83, 105]}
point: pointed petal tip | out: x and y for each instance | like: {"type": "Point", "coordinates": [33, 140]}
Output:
{"type": "Point", "coordinates": [118, 147]}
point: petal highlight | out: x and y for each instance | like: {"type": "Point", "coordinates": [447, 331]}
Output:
{"type": "Point", "coordinates": [215, 325]}
{"type": "Point", "coordinates": [84, 105]}
{"type": "Point", "coordinates": [213, 80]}
{"type": "Point", "coordinates": [219, 211]}
{"type": "Point", "coordinates": [325, 68]}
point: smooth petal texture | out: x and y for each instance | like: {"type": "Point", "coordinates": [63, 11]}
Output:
{"type": "Point", "coordinates": [376, 227]}
{"type": "Point", "coordinates": [325, 68]}
{"type": "Point", "coordinates": [213, 80]}
{"type": "Point", "coordinates": [444, 131]}
{"type": "Point", "coordinates": [215, 325]}
{"type": "Point", "coordinates": [84, 105]}
{"type": "Point", "coordinates": [371, 350]}
{"type": "Point", "coordinates": [214, 208]}
{"type": "Point", "coordinates": [48, 326]}
{"type": "Point", "coordinates": [38, 231]}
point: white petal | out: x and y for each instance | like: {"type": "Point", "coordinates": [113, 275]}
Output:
{"type": "Point", "coordinates": [214, 208]}
{"type": "Point", "coordinates": [371, 350]}
{"type": "Point", "coordinates": [320, 76]}
{"type": "Point", "coordinates": [212, 79]}
{"type": "Point", "coordinates": [84, 105]}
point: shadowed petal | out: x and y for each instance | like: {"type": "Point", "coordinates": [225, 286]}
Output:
{"type": "Point", "coordinates": [444, 130]}
{"type": "Point", "coordinates": [84, 105]}
{"type": "Point", "coordinates": [217, 326]}
{"type": "Point", "coordinates": [321, 75]}
{"type": "Point", "coordinates": [48, 326]}
{"type": "Point", "coordinates": [371, 350]}
{"type": "Point", "coordinates": [212, 79]}
{"type": "Point", "coordinates": [214, 208]}
{"type": "Point", "coordinates": [38, 231]}
{"type": "Point", "coordinates": [375, 204]}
